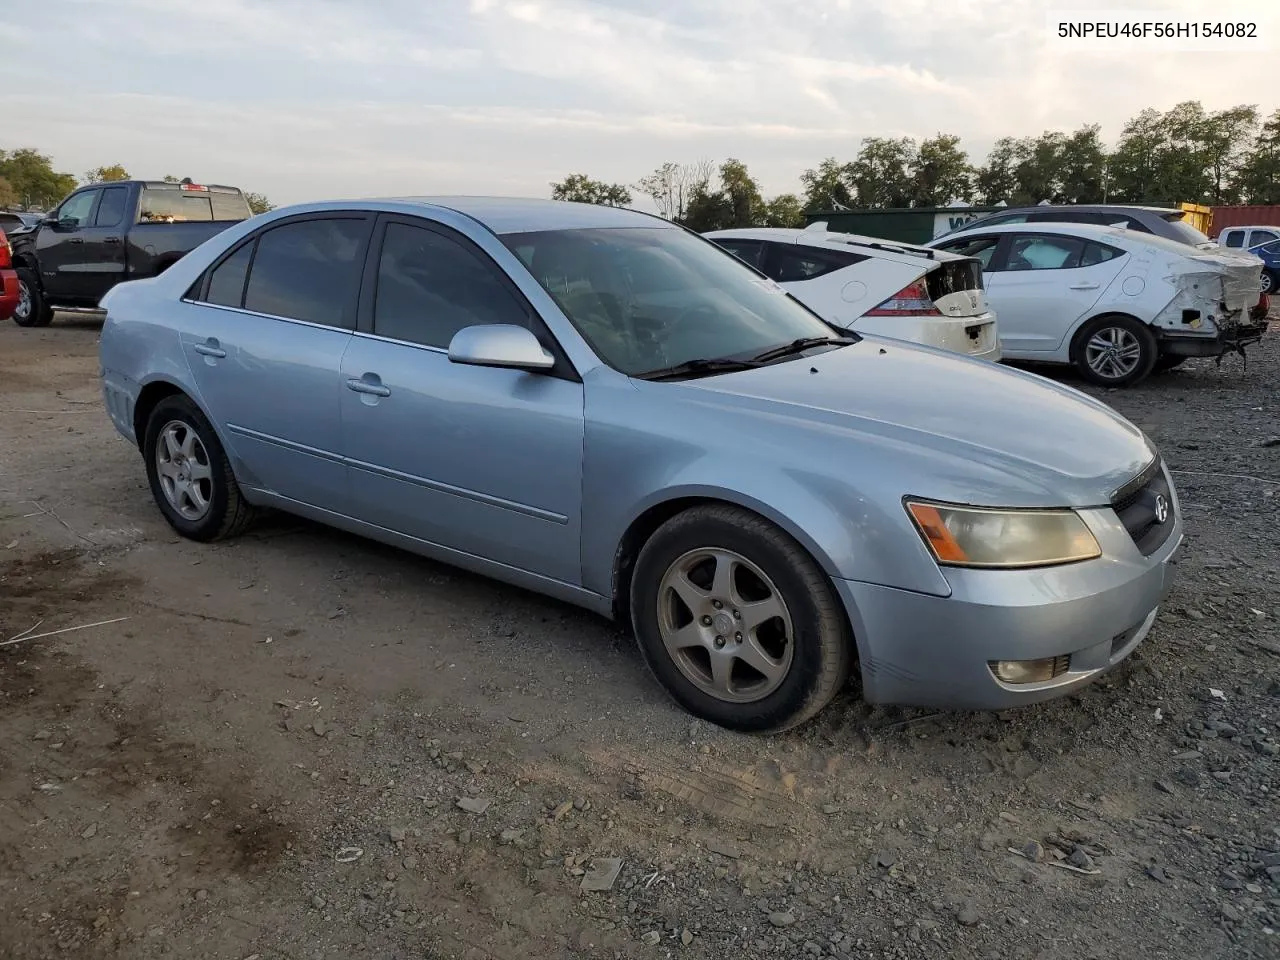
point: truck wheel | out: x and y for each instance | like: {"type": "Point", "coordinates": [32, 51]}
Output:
{"type": "Point", "coordinates": [32, 310]}
{"type": "Point", "coordinates": [1115, 351]}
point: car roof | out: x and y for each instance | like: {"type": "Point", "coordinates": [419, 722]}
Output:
{"type": "Point", "coordinates": [836, 240]}
{"type": "Point", "coordinates": [528, 215]}
{"type": "Point", "coordinates": [1094, 231]}
{"type": "Point", "coordinates": [1086, 208]}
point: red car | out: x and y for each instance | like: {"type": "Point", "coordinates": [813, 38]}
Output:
{"type": "Point", "coordinates": [8, 280]}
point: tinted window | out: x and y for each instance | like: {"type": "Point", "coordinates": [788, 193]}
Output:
{"type": "Point", "coordinates": [78, 207]}
{"type": "Point", "coordinates": [1069, 216]}
{"type": "Point", "coordinates": [646, 298]}
{"type": "Point", "coordinates": [10, 222]}
{"type": "Point", "coordinates": [980, 247]}
{"type": "Point", "coordinates": [1003, 218]}
{"type": "Point", "coordinates": [226, 283]}
{"type": "Point", "coordinates": [1234, 238]}
{"type": "Point", "coordinates": [1272, 248]}
{"type": "Point", "coordinates": [1184, 232]}
{"type": "Point", "coordinates": [746, 250]}
{"type": "Point", "coordinates": [1095, 253]}
{"type": "Point", "coordinates": [111, 207]}
{"type": "Point", "coordinates": [169, 204]}
{"type": "Point", "coordinates": [1261, 236]}
{"type": "Point", "coordinates": [788, 262]}
{"type": "Point", "coordinates": [308, 270]}
{"type": "Point", "coordinates": [1044, 253]}
{"type": "Point", "coordinates": [431, 286]}
{"type": "Point", "coordinates": [229, 206]}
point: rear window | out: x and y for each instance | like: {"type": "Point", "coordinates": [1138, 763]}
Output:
{"type": "Point", "coordinates": [1185, 232]}
{"type": "Point", "coordinates": [170, 204]}
{"type": "Point", "coordinates": [788, 262]}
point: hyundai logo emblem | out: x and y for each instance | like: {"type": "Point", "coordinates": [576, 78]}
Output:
{"type": "Point", "coordinates": [1162, 508]}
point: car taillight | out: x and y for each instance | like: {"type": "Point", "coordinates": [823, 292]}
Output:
{"type": "Point", "coordinates": [194, 187]}
{"type": "Point", "coordinates": [6, 252]}
{"type": "Point", "coordinates": [913, 300]}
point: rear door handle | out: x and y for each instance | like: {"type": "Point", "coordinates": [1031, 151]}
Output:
{"type": "Point", "coordinates": [364, 386]}
{"type": "Point", "coordinates": [1083, 286]}
{"type": "Point", "coordinates": [110, 239]}
{"type": "Point", "coordinates": [210, 350]}
{"type": "Point", "coordinates": [75, 240]}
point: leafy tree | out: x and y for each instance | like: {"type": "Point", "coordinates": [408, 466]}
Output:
{"type": "Point", "coordinates": [784, 210]}
{"type": "Point", "coordinates": [1083, 163]}
{"type": "Point", "coordinates": [827, 187]}
{"type": "Point", "coordinates": [708, 210]}
{"type": "Point", "coordinates": [940, 172]}
{"type": "Point", "coordinates": [1223, 136]}
{"type": "Point", "coordinates": [258, 202]}
{"type": "Point", "coordinates": [1134, 169]}
{"type": "Point", "coordinates": [580, 188]}
{"type": "Point", "coordinates": [743, 193]}
{"type": "Point", "coordinates": [736, 203]}
{"type": "Point", "coordinates": [881, 174]}
{"type": "Point", "coordinates": [8, 195]}
{"type": "Point", "coordinates": [33, 178]}
{"type": "Point", "coordinates": [672, 185]}
{"type": "Point", "coordinates": [997, 180]}
{"type": "Point", "coordinates": [1039, 168]}
{"type": "Point", "coordinates": [1258, 179]}
{"type": "Point", "coordinates": [106, 174]}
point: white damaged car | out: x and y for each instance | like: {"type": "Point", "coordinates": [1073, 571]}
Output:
{"type": "Point", "coordinates": [1115, 303]}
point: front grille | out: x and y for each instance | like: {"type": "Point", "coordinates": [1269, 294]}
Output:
{"type": "Point", "coordinates": [1138, 504]}
{"type": "Point", "coordinates": [1061, 664]}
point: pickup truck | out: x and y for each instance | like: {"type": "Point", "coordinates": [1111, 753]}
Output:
{"type": "Point", "coordinates": [107, 233]}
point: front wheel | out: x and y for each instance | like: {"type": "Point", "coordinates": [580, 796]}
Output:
{"type": "Point", "coordinates": [737, 622]}
{"type": "Point", "coordinates": [1115, 351]}
{"type": "Point", "coordinates": [191, 478]}
{"type": "Point", "coordinates": [32, 309]}
{"type": "Point", "coordinates": [1267, 283]}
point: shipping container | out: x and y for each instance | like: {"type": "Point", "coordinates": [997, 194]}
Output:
{"type": "Point", "coordinates": [1259, 215]}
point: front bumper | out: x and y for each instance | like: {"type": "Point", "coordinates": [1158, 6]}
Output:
{"type": "Point", "coordinates": [931, 651]}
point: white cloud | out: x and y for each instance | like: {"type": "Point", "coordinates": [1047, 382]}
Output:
{"type": "Point", "coordinates": [309, 98]}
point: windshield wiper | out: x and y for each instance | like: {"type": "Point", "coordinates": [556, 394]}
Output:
{"type": "Point", "coordinates": [700, 365]}
{"type": "Point", "coordinates": [798, 346]}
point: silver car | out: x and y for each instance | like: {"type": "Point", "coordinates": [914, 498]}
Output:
{"type": "Point", "coordinates": [597, 405]}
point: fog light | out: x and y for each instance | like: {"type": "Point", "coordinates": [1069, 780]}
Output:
{"type": "Point", "coordinates": [1030, 671]}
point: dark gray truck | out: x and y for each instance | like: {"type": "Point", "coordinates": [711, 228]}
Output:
{"type": "Point", "coordinates": [107, 233]}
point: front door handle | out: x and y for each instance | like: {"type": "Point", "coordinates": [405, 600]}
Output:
{"type": "Point", "coordinates": [210, 350]}
{"type": "Point", "coordinates": [75, 240]}
{"type": "Point", "coordinates": [1083, 286]}
{"type": "Point", "coordinates": [110, 239]}
{"type": "Point", "coordinates": [374, 389]}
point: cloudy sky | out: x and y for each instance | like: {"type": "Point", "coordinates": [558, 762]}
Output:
{"type": "Point", "coordinates": [306, 99]}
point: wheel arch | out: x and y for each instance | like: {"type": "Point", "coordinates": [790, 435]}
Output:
{"type": "Point", "coordinates": [149, 398]}
{"type": "Point", "coordinates": [1073, 339]}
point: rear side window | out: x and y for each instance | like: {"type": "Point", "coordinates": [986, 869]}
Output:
{"type": "Point", "coordinates": [1095, 253]}
{"type": "Point", "coordinates": [226, 283]}
{"type": "Point", "coordinates": [309, 270]}
{"type": "Point", "coordinates": [981, 247]}
{"type": "Point", "coordinates": [790, 262]}
{"type": "Point", "coordinates": [111, 207]}
{"type": "Point", "coordinates": [1045, 253]}
{"type": "Point", "coordinates": [747, 251]}
{"type": "Point", "coordinates": [430, 286]}
{"type": "Point", "coordinates": [1234, 238]}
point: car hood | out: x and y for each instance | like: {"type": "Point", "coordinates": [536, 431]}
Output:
{"type": "Point", "coordinates": [969, 423]}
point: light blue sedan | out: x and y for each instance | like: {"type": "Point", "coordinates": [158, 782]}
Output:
{"type": "Point", "coordinates": [597, 405]}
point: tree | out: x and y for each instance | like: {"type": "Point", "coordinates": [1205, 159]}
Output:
{"type": "Point", "coordinates": [784, 210]}
{"type": "Point", "coordinates": [258, 203]}
{"type": "Point", "coordinates": [880, 175]}
{"type": "Point", "coordinates": [708, 210]}
{"type": "Point", "coordinates": [996, 181]}
{"type": "Point", "coordinates": [31, 175]}
{"type": "Point", "coordinates": [1258, 178]}
{"type": "Point", "coordinates": [580, 188]}
{"type": "Point", "coordinates": [737, 202]}
{"type": "Point", "coordinates": [672, 185]}
{"type": "Point", "coordinates": [1134, 169]}
{"type": "Point", "coordinates": [8, 195]}
{"type": "Point", "coordinates": [106, 174]}
{"type": "Point", "coordinates": [1083, 163]}
{"type": "Point", "coordinates": [170, 178]}
{"type": "Point", "coordinates": [827, 187]}
{"type": "Point", "coordinates": [1039, 167]}
{"type": "Point", "coordinates": [940, 172]}
{"type": "Point", "coordinates": [1224, 135]}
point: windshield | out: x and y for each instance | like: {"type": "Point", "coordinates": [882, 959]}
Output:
{"type": "Point", "coordinates": [1187, 233]}
{"type": "Point", "coordinates": [647, 298]}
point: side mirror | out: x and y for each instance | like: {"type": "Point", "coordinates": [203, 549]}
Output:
{"type": "Point", "coordinates": [499, 345]}
{"type": "Point", "coordinates": [49, 220]}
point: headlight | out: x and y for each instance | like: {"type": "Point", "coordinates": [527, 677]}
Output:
{"type": "Point", "coordinates": [983, 537]}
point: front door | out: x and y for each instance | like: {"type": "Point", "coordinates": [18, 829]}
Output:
{"type": "Point", "coordinates": [1042, 284]}
{"type": "Point", "coordinates": [60, 250]}
{"type": "Point", "coordinates": [103, 248]}
{"type": "Point", "coordinates": [484, 461]}
{"type": "Point", "coordinates": [265, 346]}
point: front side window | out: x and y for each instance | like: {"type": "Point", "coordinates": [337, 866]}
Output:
{"type": "Point", "coordinates": [1045, 253]}
{"type": "Point", "coordinates": [111, 207]}
{"type": "Point", "coordinates": [75, 212]}
{"type": "Point", "coordinates": [646, 298]}
{"type": "Point", "coordinates": [309, 270]}
{"type": "Point", "coordinates": [430, 286]}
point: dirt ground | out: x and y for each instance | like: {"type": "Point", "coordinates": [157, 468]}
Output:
{"type": "Point", "coordinates": [190, 781]}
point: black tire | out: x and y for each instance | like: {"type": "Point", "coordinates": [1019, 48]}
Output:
{"type": "Point", "coordinates": [1268, 282]}
{"type": "Point", "coordinates": [228, 513]}
{"type": "Point", "coordinates": [1128, 330]}
{"type": "Point", "coordinates": [40, 314]}
{"type": "Point", "coordinates": [821, 648]}
{"type": "Point", "coordinates": [1167, 361]}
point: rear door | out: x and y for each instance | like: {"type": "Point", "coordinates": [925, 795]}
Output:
{"type": "Point", "coordinates": [64, 270]}
{"type": "Point", "coordinates": [1041, 284]}
{"type": "Point", "coordinates": [265, 349]}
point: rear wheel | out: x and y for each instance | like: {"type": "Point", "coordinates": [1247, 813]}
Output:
{"type": "Point", "coordinates": [737, 622]}
{"type": "Point", "coordinates": [1115, 351]}
{"type": "Point", "coordinates": [1267, 283]}
{"type": "Point", "coordinates": [32, 310]}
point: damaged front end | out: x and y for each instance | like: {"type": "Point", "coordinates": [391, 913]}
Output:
{"type": "Point", "coordinates": [1215, 311]}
